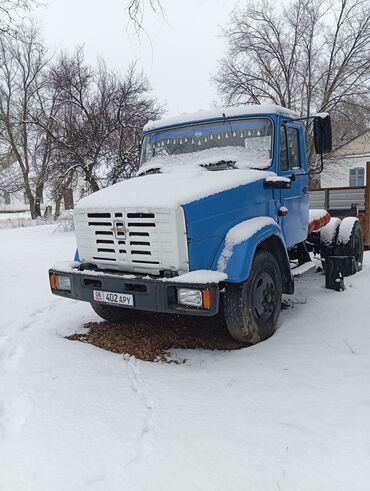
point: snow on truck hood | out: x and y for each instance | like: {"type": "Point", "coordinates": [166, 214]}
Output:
{"type": "Point", "coordinates": [170, 189]}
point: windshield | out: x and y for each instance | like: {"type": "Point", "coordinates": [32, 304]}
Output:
{"type": "Point", "coordinates": [249, 139]}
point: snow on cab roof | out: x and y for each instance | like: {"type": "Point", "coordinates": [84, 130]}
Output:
{"type": "Point", "coordinates": [220, 112]}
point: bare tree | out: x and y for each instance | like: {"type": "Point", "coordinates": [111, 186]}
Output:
{"type": "Point", "coordinates": [136, 9]}
{"type": "Point", "coordinates": [63, 120]}
{"type": "Point", "coordinates": [59, 181]}
{"type": "Point", "coordinates": [351, 118]}
{"type": "Point", "coordinates": [100, 117]}
{"type": "Point", "coordinates": [310, 56]}
{"type": "Point", "coordinates": [10, 10]}
{"type": "Point", "coordinates": [10, 177]}
{"type": "Point", "coordinates": [44, 117]}
{"type": "Point", "coordinates": [23, 62]}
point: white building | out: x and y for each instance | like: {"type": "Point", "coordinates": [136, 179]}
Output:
{"type": "Point", "coordinates": [14, 202]}
{"type": "Point", "coordinates": [347, 164]}
{"type": "Point", "coordinates": [18, 201]}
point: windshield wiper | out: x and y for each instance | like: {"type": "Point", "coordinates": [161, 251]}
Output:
{"type": "Point", "coordinates": [156, 170]}
{"type": "Point", "coordinates": [220, 165]}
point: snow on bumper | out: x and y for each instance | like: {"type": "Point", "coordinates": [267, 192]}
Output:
{"type": "Point", "coordinates": [147, 293]}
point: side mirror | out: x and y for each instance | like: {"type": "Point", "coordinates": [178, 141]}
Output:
{"type": "Point", "coordinates": [322, 133]}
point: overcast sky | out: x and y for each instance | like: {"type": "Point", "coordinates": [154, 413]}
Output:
{"type": "Point", "coordinates": [177, 54]}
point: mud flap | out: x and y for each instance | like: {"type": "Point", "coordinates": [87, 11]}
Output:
{"type": "Point", "coordinates": [336, 269]}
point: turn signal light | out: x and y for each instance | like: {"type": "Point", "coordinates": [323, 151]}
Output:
{"type": "Point", "coordinates": [53, 281]}
{"type": "Point", "coordinates": [207, 299]}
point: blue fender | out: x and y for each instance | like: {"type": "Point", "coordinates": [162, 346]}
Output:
{"type": "Point", "coordinates": [239, 264]}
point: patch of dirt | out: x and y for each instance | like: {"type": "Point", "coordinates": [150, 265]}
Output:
{"type": "Point", "coordinates": [150, 337]}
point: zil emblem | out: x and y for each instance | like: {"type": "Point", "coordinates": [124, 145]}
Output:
{"type": "Point", "coordinates": [119, 229]}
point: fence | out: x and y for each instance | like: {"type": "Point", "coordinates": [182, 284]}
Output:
{"type": "Point", "coordinates": [346, 201]}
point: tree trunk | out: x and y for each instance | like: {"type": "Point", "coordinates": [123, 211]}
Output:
{"type": "Point", "coordinates": [90, 178]}
{"type": "Point", "coordinates": [32, 205]}
{"type": "Point", "coordinates": [29, 194]}
{"type": "Point", "coordinates": [38, 200]}
{"type": "Point", "coordinates": [31, 199]}
{"type": "Point", "coordinates": [58, 203]}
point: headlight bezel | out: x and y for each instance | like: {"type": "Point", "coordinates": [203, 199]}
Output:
{"type": "Point", "coordinates": [62, 282]}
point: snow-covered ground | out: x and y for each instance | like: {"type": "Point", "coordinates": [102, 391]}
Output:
{"type": "Point", "coordinates": [10, 216]}
{"type": "Point", "coordinates": [19, 219]}
{"type": "Point", "coordinates": [292, 413]}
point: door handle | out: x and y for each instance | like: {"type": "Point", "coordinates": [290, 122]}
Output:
{"type": "Point", "coordinates": [277, 183]}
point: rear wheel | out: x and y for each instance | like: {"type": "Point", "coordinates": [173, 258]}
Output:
{"type": "Point", "coordinates": [116, 315]}
{"type": "Point", "coordinates": [350, 242]}
{"type": "Point", "coordinates": [252, 308]}
{"type": "Point", "coordinates": [328, 239]}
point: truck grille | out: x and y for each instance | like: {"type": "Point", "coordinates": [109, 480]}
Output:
{"type": "Point", "coordinates": [133, 240]}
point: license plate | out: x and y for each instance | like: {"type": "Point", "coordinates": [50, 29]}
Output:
{"type": "Point", "coordinates": [114, 298]}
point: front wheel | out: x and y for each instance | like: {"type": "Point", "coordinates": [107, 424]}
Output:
{"type": "Point", "coordinates": [116, 315]}
{"type": "Point", "coordinates": [252, 308]}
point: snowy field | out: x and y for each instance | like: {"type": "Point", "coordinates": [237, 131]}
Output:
{"type": "Point", "coordinates": [10, 216]}
{"type": "Point", "coordinates": [290, 414]}
{"type": "Point", "coordinates": [19, 219]}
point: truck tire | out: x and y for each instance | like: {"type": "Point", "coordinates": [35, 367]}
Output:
{"type": "Point", "coordinates": [251, 308]}
{"type": "Point", "coordinates": [116, 315]}
{"type": "Point", "coordinates": [350, 242]}
{"type": "Point", "coordinates": [328, 239]}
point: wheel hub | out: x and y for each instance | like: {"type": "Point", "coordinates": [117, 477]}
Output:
{"type": "Point", "coordinates": [264, 294]}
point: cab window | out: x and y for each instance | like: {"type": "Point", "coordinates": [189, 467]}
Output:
{"type": "Point", "coordinates": [293, 148]}
{"type": "Point", "coordinates": [284, 164]}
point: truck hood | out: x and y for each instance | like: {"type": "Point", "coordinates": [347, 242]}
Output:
{"type": "Point", "coordinates": [171, 189]}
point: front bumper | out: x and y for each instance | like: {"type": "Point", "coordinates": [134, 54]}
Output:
{"type": "Point", "coordinates": [150, 294]}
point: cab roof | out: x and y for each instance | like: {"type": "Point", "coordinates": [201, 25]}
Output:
{"type": "Point", "coordinates": [219, 113]}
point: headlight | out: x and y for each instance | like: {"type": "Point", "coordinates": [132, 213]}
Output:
{"type": "Point", "coordinates": [63, 283]}
{"type": "Point", "coordinates": [189, 297]}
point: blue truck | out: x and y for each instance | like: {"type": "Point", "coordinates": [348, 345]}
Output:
{"type": "Point", "coordinates": [213, 222]}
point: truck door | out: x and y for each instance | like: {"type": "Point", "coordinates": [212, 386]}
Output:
{"type": "Point", "coordinates": [293, 164]}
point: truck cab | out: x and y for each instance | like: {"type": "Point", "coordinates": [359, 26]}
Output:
{"type": "Point", "coordinates": [207, 224]}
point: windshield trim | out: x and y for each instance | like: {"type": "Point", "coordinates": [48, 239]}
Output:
{"type": "Point", "coordinates": [216, 120]}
